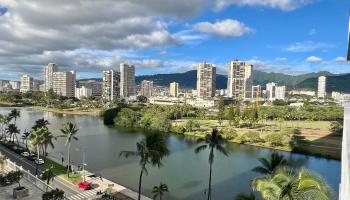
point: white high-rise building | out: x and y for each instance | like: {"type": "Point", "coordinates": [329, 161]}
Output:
{"type": "Point", "coordinates": [206, 80]}
{"type": "Point", "coordinates": [127, 80]}
{"type": "Point", "coordinates": [26, 83]}
{"type": "Point", "coordinates": [280, 92]}
{"type": "Point", "coordinates": [83, 92]}
{"type": "Point", "coordinates": [147, 88]}
{"type": "Point", "coordinates": [174, 89]}
{"type": "Point", "coordinates": [271, 91]}
{"type": "Point", "coordinates": [48, 75]}
{"type": "Point", "coordinates": [110, 85]}
{"type": "Point", "coordinates": [64, 83]}
{"type": "Point", "coordinates": [321, 91]}
{"type": "Point", "coordinates": [239, 80]}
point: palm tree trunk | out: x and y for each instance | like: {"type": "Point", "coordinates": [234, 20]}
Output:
{"type": "Point", "coordinates": [210, 172]}
{"type": "Point", "coordinates": [68, 160]}
{"type": "Point", "coordinates": [140, 182]}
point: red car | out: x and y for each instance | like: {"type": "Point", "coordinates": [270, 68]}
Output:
{"type": "Point", "coordinates": [84, 185]}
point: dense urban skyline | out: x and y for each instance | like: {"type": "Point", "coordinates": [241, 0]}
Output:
{"type": "Point", "coordinates": [173, 36]}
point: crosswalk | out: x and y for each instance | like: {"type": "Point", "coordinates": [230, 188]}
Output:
{"type": "Point", "coordinates": [89, 194]}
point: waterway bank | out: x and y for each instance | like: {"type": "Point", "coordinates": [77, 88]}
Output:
{"type": "Point", "coordinates": [70, 111]}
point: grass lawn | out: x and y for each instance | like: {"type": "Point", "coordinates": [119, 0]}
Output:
{"type": "Point", "coordinates": [61, 171]}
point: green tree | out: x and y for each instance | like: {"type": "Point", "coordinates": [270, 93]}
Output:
{"type": "Point", "coordinates": [150, 150]}
{"type": "Point", "coordinates": [14, 114]}
{"type": "Point", "coordinates": [221, 110]}
{"type": "Point", "coordinates": [271, 164]}
{"type": "Point", "coordinates": [289, 184]}
{"type": "Point", "coordinates": [213, 141]}
{"type": "Point", "coordinates": [12, 131]}
{"type": "Point", "coordinates": [336, 127]}
{"type": "Point", "coordinates": [55, 194]}
{"type": "Point", "coordinates": [69, 132]}
{"type": "Point", "coordinates": [25, 136]}
{"type": "Point", "coordinates": [191, 125]}
{"type": "Point", "coordinates": [40, 123]}
{"type": "Point", "coordinates": [249, 196]}
{"type": "Point", "coordinates": [233, 114]}
{"type": "Point", "coordinates": [158, 191]}
{"type": "Point", "coordinates": [15, 176]}
{"type": "Point", "coordinates": [48, 175]}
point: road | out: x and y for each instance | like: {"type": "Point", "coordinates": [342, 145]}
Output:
{"type": "Point", "coordinates": [58, 182]}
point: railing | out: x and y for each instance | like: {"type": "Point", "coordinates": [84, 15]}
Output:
{"type": "Point", "coordinates": [41, 185]}
{"type": "Point", "coordinates": [344, 187]}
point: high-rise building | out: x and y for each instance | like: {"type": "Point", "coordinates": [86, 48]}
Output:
{"type": "Point", "coordinates": [93, 84]}
{"type": "Point", "coordinates": [280, 92]}
{"type": "Point", "coordinates": [206, 80]}
{"type": "Point", "coordinates": [127, 80]}
{"type": "Point", "coordinates": [321, 91]}
{"type": "Point", "coordinates": [64, 83]}
{"type": "Point", "coordinates": [48, 75]}
{"type": "Point", "coordinates": [110, 85]}
{"type": "Point", "coordinates": [26, 83]}
{"type": "Point", "coordinates": [83, 92]}
{"type": "Point", "coordinates": [3, 84]}
{"type": "Point", "coordinates": [240, 81]}
{"type": "Point", "coordinates": [147, 88]}
{"type": "Point", "coordinates": [174, 89]}
{"type": "Point", "coordinates": [271, 91]}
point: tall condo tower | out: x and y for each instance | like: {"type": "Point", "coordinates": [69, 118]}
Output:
{"type": "Point", "coordinates": [174, 89]}
{"type": "Point", "coordinates": [48, 75]}
{"type": "Point", "coordinates": [127, 80]}
{"type": "Point", "coordinates": [26, 83]}
{"type": "Point", "coordinates": [110, 85]}
{"type": "Point", "coordinates": [206, 80]}
{"type": "Point", "coordinates": [239, 80]}
{"type": "Point", "coordinates": [321, 91]}
{"type": "Point", "coordinates": [147, 88]}
{"type": "Point", "coordinates": [64, 83]}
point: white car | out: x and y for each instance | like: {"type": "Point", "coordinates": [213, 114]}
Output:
{"type": "Point", "coordinates": [39, 161]}
{"type": "Point", "coordinates": [25, 154]}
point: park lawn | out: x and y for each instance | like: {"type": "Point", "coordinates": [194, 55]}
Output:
{"type": "Point", "coordinates": [70, 111]}
{"type": "Point", "coordinates": [61, 171]}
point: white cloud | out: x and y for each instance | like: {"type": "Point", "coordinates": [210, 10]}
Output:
{"type": "Point", "coordinates": [308, 46]}
{"type": "Point", "coordinates": [225, 28]}
{"type": "Point", "coordinates": [313, 59]}
{"type": "Point", "coordinates": [285, 5]}
{"type": "Point", "coordinates": [340, 59]}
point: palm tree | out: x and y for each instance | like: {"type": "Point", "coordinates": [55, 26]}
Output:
{"type": "Point", "coordinates": [269, 165]}
{"type": "Point", "coordinates": [25, 136]}
{"type": "Point", "coordinates": [37, 139]}
{"type": "Point", "coordinates": [212, 141]}
{"type": "Point", "coordinates": [249, 196]}
{"type": "Point", "coordinates": [158, 191]}
{"type": "Point", "coordinates": [14, 114]}
{"type": "Point", "coordinates": [47, 141]}
{"type": "Point", "coordinates": [12, 131]}
{"type": "Point", "coordinates": [69, 132]}
{"type": "Point", "coordinates": [288, 184]}
{"type": "Point", "coordinates": [40, 123]}
{"type": "Point", "coordinates": [48, 175]}
{"type": "Point", "coordinates": [151, 150]}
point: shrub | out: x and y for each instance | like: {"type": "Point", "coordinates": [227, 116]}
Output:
{"type": "Point", "coordinates": [178, 129]}
{"type": "Point", "coordinates": [275, 139]}
{"type": "Point", "coordinates": [55, 194]}
{"type": "Point", "coordinates": [229, 133]}
{"type": "Point", "coordinates": [109, 115]}
{"type": "Point", "coordinates": [241, 138]}
{"type": "Point", "coordinates": [191, 125]}
{"type": "Point", "coordinates": [252, 136]}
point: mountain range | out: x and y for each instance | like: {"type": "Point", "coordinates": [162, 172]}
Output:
{"type": "Point", "coordinates": [335, 82]}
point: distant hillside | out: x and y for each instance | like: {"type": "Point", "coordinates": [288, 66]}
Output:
{"type": "Point", "coordinates": [188, 79]}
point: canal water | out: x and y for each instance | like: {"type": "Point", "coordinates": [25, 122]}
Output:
{"type": "Point", "coordinates": [185, 172]}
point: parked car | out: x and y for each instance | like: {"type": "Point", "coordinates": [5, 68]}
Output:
{"type": "Point", "coordinates": [32, 157]}
{"type": "Point", "coordinates": [25, 154]}
{"type": "Point", "coordinates": [19, 150]}
{"type": "Point", "coordinates": [39, 161]}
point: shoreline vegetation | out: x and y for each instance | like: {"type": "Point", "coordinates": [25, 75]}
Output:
{"type": "Point", "coordinates": [309, 137]}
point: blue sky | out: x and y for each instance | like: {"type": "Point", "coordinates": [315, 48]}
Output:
{"type": "Point", "coordinates": [290, 36]}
